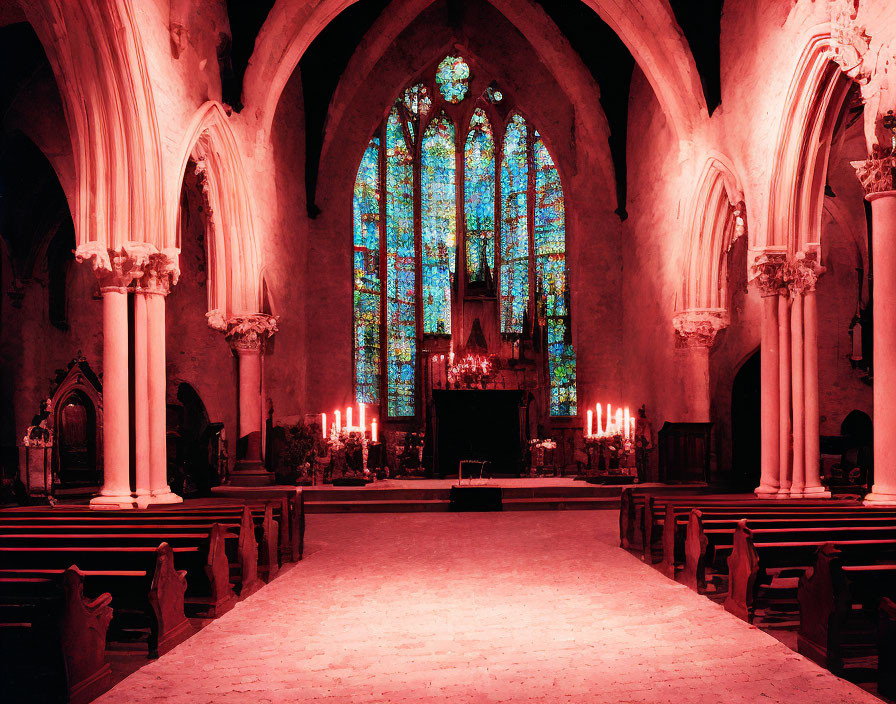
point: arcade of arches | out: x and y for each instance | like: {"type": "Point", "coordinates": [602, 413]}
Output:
{"type": "Point", "coordinates": [474, 223]}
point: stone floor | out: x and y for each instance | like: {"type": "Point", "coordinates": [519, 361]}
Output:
{"type": "Point", "coordinates": [502, 607]}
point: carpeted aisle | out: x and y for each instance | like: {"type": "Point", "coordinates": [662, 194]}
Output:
{"type": "Point", "coordinates": [502, 607]}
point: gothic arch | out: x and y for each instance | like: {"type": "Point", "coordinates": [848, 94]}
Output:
{"type": "Point", "coordinates": [647, 27]}
{"type": "Point", "coordinates": [800, 160]}
{"type": "Point", "coordinates": [234, 262]}
{"type": "Point", "coordinates": [717, 220]}
{"type": "Point", "coordinates": [96, 51]}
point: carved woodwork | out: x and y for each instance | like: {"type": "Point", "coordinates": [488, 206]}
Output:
{"type": "Point", "coordinates": [670, 528]}
{"type": "Point", "coordinates": [217, 569]}
{"type": "Point", "coordinates": [743, 574]}
{"type": "Point", "coordinates": [886, 649]}
{"type": "Point", "coordinates": [824, 607]}
{"type": "Point", "coordinates": [248, 551]}
{"type": "Point", "coordinates": [626, 518]}
{"type": "Point", "coordinates": [694, 574]}
{"type": "Point", "coordinates": [83, 635]}
{"type": "Point", "coordinates": [170, 626]}
{"type": "Point", "coordinates": [297, 525]}
{"type": "Point", "coordinates": [270, 545]}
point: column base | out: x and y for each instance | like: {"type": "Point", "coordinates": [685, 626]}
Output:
{"type": "Point", "coordinates": [110, 502]}
{"type": "Point", "coordinates": [250, 473]}
{"type": "Point", "coordinates": [815, 492]}
{"type": "Point", "coordinates": [165, 496]}
{"type": "Point", "coordinates": [783, 493]}
{"type": "Point", "coordinates": [880, 498]}
{"type": "Point", "coordinates": [766, 491]}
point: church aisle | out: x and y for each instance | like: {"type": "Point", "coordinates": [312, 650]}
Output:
{"type": "Point", "coordinates": [501, 607]}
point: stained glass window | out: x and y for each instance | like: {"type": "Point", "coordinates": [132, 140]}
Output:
{"type": "Point", "coordinates": [451, 77]}
{"type": "Point", "coordinates": [479, 197]}
{"type": "Point", "coordinates": [401, 271]}
{"type": "Point", "coordinates": [438, 209]}
{"type": "Point", "coordinates": [366, 209]}
{"type": "Point", "coordinates": [405, 208]}
{"type": "Point", "coordinates": [514, 226]}
{"type": "Point", "coordinates": [553, 290]}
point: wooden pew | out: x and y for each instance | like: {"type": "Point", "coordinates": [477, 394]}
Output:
{"type": "Point", "coordinates": [142, 581]}
{"type": "Point", "coordinates": [754, 553]}
{"type": "Point", "coordinates": [243, 552]}
{"type": "Point", "coordinates": [828, 596]}
{"type": "Point", "coordinates": [709, 532]}
{"type": "Point", "coordinates": [886, 649]}
{"type": "Point", "coordinates": [52, 640]}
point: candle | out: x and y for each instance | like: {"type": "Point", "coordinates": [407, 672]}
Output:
{"type": "Point", "coordinates": [373, 431]}
{"type": "Point", "coordinates": [599, 429]}
{"type": "Point", "coordinates": [609, 420]}
{"type": "Point", "coordinates": [363, 423]}
{"type": "Point", "coordinates": [625, 423]}
{"type": "Point", "coordinates": [323, 425]}
{"type": "Point", "coordinates": [633, 427]}
{"type": "Point", "coordinates": [338, 422]}
{"type": "Point", "coordinates": [348, 419]}
{"type": "Point", "coordinates": [619, 428]}
{"type": "Point", "coordinates": [590, 421]}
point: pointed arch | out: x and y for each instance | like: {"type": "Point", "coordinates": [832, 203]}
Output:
{"type": "Point", "coordinates": [234, 264]}
{"type": "Point", "coordinates": [717, 220]}
{"type": "Point", "coordinates": [96, 51]}
{"type": "Point", "coordinates": [800, 161]}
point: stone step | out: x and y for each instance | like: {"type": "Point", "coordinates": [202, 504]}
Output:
{"type": "Point", "coordinates": [441, 505]}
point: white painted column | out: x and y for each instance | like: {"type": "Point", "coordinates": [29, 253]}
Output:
{"type": "Point", "coordinates": [799, 428]}
{"type": "Point", "coordinates": [785, 478]}
{"type": "Point", "coordinates": [770, 381]}
{"type": "Point", "coordinates": [814, 487]}
{"type": "Point", "coordinates": [696, 332]}
{"type": "Point", "coordinates": [141, 402]}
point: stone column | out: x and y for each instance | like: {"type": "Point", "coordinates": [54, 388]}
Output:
{"type": "Point", "coordinates": [696, 332]}
{"type": "Point", "coordinates": [878, 176]}
{"type": "Point", "coordinates": [141, 403]}
{"type": "Point", "coordinates": [160, 273]}
{"type": "Point", "coordinates": [247, 335]}
{"type": "Point", "coordinates": [115, 271]}
{"type": "Point", "coordinates": [768, 269]}
{"type": "Point", "coordinates": [799, 428]}
{"type": "Point", "coordinates": [785, 478]}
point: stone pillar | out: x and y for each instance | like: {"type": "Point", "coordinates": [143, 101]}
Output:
{"type": "Point", "coordinates": [768, 279]}
{"type": "Point", "coordinates": [160, 273]}
{"type": "Point", "coordinates": [799, 427]}
{"type": "Point", "coordinates": [115, 271]}
{"type": "Point", "coordinates": [247, 335]}
{"type": "Point", "coordinates": [695, 334]}
{"type": "Point", "coordinates": [141, 403]}
{"type": "Point", "coordinates": [878, 176]}
{"type": "Point", "coordinates": [784, 377]}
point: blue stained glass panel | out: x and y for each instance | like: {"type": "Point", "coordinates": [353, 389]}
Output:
{"type": "Point", "coordinates": [366, 264]}
{"type": "Point", "coordinates": [401, 298]}
{"type": "Point", "coordinates": [514, 227]}
{"type": "Point", "coordinates": [438, 209]}
{"type": "Point", "coordinates": [479, 197]}
{"type": "Point", "coordinates": [553, 286]}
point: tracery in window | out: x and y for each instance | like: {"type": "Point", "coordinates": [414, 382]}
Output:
{"type": "Point", "coordinates": [431, 161]}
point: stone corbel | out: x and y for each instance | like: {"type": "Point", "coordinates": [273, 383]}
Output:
{"type": "Point", "coordinates": [801, 273]}
{"type": "Point", "coordinates": [768, 270]}
{"type": "Point", "coordinates": [160, 272]}
{"type": "Point", "coordinates": [878, 173]}
{"type": "Point", "coordinates": [114, 269]}
{"type": "Point", "coordinates": [250, 331]}
{"type": "Point", "coordinates": [698, 328]}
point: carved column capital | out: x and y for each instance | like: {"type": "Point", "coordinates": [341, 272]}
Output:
{"type": "Point", "coordinates": [877, 173]}
{"type": "Point", "coordinates": [801, 273]}
{"type": "Point", "coordinates": [249, 332]}
{"type": "Point", "coordinates": [698, 328]}
{"type": "Point", "coordinates": [115, 269]}
{"type": "Point", "coordinates": [160, 273]}
{"type": "Point", "coordinates": [769, 272]}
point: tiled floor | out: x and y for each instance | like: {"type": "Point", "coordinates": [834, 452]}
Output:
{"type": "Point", "coordinates": [503, 607]}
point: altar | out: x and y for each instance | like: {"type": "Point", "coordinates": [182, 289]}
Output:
{"type": "Point", "coordinates": [479, 424]}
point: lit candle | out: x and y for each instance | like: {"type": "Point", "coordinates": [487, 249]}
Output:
{"type": "Point", "coordinates": [633, 427]}
{"type": "Point", "coordinates": [590, 421]}
{"type": "Point", "coordinates": [363, 423]}
{"type": "Point", "coordinates": [373, 431]}
{"type": "Point", "coordinates": [338, 422]}
{"type": "Point", "coordinates": [625, 423]}
{"type": "Point", "coordinates": [323, 425]}
{"type": "Point", "coordinates": [348, 418]}
{"type": "Point", "coordinates": [599, 429]}
{"type": "Point", "coordinates": [619, 428]}
{"type": "Point", "coordinates": [609, 420]}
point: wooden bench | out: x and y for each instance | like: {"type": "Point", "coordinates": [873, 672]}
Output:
{"type": "Point", "coordinates": [886, 649]}
{"type": "Point", "coordinates": [831, 627]}
{"type": "Point", "coordinates": [709, 532]}
{"type": "Point", "coordinates": [755, 553]}
{"type": "Point", "coordinates": [52, 640]}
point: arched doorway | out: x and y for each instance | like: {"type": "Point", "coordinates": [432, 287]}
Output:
{"type": "Point", "coordinates": [76, 442]}
{"type": "Point", "coordinates": [746, 422]}
{"type": "Point", "coordinates": [857, 460]}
